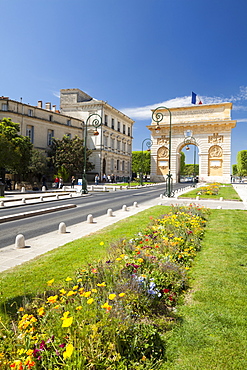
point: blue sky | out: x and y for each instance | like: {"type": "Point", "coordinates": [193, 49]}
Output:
{"type": "Point", "coordinates": [135, 54]}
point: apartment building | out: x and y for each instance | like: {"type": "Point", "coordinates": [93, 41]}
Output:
{"type": "Point", "coordinates": [40, 124]}
{"type": "Point", "coordinates": [111, 142]}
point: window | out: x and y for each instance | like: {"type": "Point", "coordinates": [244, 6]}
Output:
{"type": "Point", "coordinates": [68, 122]}
{"type": "Point", "coordinates": [50, 117]}
{"type": "Point", "coordinates": [112, 143]}
{"type": "Point", "coordinates": [128, 131]}
{"type": "Point", "coordinates": [30, 112]}
{"type": "Point", "coordinates": [106, 120]}
{"type": "Point", "coordinates": [4, 107]}
{"type": "Point", "coordinates": [112, 124]}
{"type": "Point", "coordinates": [106, 141]}
{"type": "Point", "coordinates": [123, 166]}
{"type": "Point", "coordinates": [50, 136]}
{"type": "Point", "coordinates": [124, 147]}
{"type": "Point", "coordinates": [123, 129]}
{"type": "Point", "coordinates": [29, 133]}
{"type": "Point", "coordinates": [118, 165]}
{"type": "Point", "coordinates": [118, 145]}
{"type": "Point", "coordinates": [118, 126]}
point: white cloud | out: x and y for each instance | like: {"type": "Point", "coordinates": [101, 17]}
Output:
{"type": "Point", "coordinates": [56, 94]}
{"type": "Point", "coordinates": [144, 113]}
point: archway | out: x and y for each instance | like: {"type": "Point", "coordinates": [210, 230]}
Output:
{"type": "Point", "coordinates": [210, 127]}
{"type": "Point", "coordinates": [188, 163]}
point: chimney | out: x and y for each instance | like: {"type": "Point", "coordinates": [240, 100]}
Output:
{"type": "Point", "coordinates": [48, 106]}
{"type": "Point", "coordinates": [54, 108]}
{"type": "Point", "coordinates": [40, 104]}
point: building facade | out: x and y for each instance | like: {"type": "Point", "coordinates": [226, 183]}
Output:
{"type": "Point", "coordinates": [40, 124]}
{"type": "Point", "coordinates": [206, 126]}
{"type": "Point", "coordinates": [112, 146]}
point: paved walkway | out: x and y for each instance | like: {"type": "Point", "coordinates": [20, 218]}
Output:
{"type": "Point", "coordinates": [11, 256]}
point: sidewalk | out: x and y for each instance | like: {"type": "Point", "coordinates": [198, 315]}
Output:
{"type": "Point", "coordinates": [11, 256]}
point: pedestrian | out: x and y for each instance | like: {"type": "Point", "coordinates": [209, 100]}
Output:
{"type": "Point", "coordinates": [112, 178]}
{"type": "Point", "coordinates": [108, 178]}
{"type": "Point", "coordinates": [60, 183]}
{"type": "Point", "coordinates": [8, 183]}
{"type": "Point", "coordinates": [72, 182]}
{"type": "Point", "coordinates": [96, 180]}
{"type": "Point", "coordinates": [44, 182]}
{"type": "Point", "coordinates": [56, 182]}
{"type": "Point", "coordinates": [104, 177]}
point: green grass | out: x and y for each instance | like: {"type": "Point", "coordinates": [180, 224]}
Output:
{"type": "Point", "coordinates": [29, 279]}
{"type": "Point", "coordinates": [227, 192]}
{"type": "Point", "coordinates": [213, 329]}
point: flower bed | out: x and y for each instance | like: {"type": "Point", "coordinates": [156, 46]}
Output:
{"type": "Point", "coordinates": [112, 315]}
{"type": "Point", "coordinates": [210, 189]}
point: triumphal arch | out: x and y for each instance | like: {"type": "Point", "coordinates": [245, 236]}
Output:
{"type": "Point", "coordinates": [206, 126]}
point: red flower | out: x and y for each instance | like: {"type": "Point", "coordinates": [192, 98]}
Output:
{"type": "Point", "coordinates": [166, 290]}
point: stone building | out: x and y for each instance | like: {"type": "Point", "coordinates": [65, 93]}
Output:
{"type": "Point", "coordinates": [111, 142]}
{"type": "Point", "coordinates": [206, 126]}
{"type": "Point", "coordinates": [40, 124]}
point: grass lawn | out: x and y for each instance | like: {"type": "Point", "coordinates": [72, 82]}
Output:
{"type": "Point", "coordinates": [213, 329]}
{"type": "Point", "coordinates": [227, 192]}
{"type": "Point", "coordinates": [29, 279]}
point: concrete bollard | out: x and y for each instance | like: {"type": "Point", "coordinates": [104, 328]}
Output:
{"type": "Point", "coordinates": [23, 200]}
{"type": "Point", "coordinates": [41, 199]}
{"type": "Point", "coordinates": [135, 204]}
{"type": "Point", "coordinates": [90, 219]}
{"type": "Point", "coordinates": [62, 228]}
{"type": "Point", "coordinates": [109, 212]}
{"type": "Point", "coordinates": [197, 197]}
{"type": "Point", "coordinates": [124, 208]}
{"type": "Point", "coordinates": [114, 188]}
{"type": "Point", "coordinates": [43, 188]}
{"type": "Point", "coordinates": [2, 203]}
{"type": "Point", "coordinates": [23, 189]}
{"type": "Point", "coordinates": [219, 207]}
{"type": "Point", "coordinates": [70, 195]}
{"type": "Point", "coordinates": [20, 241]}
{"type": "Point", "coordinates": [161, 196]}
{"type": "Point", "coordinates": [57, 196]}
{"type": "Point", "coordinates": [159, 204]}
{"type": "Point", "coordinates": [221, 199]}
{"type": "Point", "coordinates": [104, 188]}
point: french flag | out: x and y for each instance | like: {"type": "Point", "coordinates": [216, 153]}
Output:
{"type": "Point", "coordinates": [195, 99]}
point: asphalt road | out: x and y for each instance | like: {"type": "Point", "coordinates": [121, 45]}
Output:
{"type": "Point", "coordinates": [95, 204]}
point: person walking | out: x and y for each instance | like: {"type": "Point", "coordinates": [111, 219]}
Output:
{"type": "Point", "coordinates": [72, 182]}
{"type": "Point", "coordinates": [96, 180]}
{"type": "Point", "coordinates": [56, 182]}
{"type": "Point", "coordinates": [60, 183]}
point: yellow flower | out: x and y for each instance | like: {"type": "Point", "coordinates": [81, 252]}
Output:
{"type": "Point", "coordinates": [90, 301]}
{"type": "Point", "coordinates": [41, 311]}
{"type": "Point", "coordinates": [62, 291]}
{"type": "Point", "coordinates": [67, 322]}
{"type": "Point", "coordinates": [29, 352]}
{"type": "Point", "coordinates": [101, 284]}
{"type": "Point", "coordinates": [79, 280]}
{"type": "Point", "coordinates": [94, 290]}
{"type": "Point", "coordinates": [87, 294]}
{"type": "Point", "coordinates": [121, 295]}
{"type": "Point", "coordinates": [75, 287]}
{"type": "Point", "coordinates": [78, 308]}
{"type": "Point", "coordinates": [50, 282]}
{"type": "Point", "coordinates": [101, 243]}
{"type": "Point", "coordinates": [68, 278]}
{"type": "Point", "coordinates": [68, 352]}
{"type": "Point", "coordinates": [52, 299]}
{"type": "Point", "coordinates": [70, 293]}
{"type": "Point", "coordinates": [140, 260]}
{"type": "Point", "coordinates": [111, 296]}
{"type": "Point", "coordinates": [106, 306]}
{"type": "Point", "coordinates": [118, 259]}
{"type": "Point", "coordinates": [21, 309]}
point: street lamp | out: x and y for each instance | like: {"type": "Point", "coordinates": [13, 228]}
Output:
{"type": "Point", "coordinates": [96, 122]}
{"type": "Point", "coordinates": [158, 117]}
{"type": "Point", "coordinates": [149, 143]}
{"type": "Point", "coordinates": [191, 140]}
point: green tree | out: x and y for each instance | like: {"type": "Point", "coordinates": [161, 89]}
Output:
{"type": "Point", "coordinates": [67, 156]}
{"type": "Point", "coordinates": [234, 169]}
{"type": "Point", "coordinates": [141, 161]}
{"type": "Point", "coordinates": [15, 150]}
{"type": "Point", "coordinates": [38, 164]}
{"type": "Point", "coordinates": [242, 163]}
{"type": "Point", "coordinates": [182, 163]}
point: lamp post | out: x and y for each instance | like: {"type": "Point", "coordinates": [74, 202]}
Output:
{"type": "Point", "coordinates": [96, 122]}
{"type": "Point", "coordinates": [158, 117]}
{"type": "Point", "coordinates": [149, 143]}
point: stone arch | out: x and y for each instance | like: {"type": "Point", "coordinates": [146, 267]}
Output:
{"type": "Point", "coordinates": [180, 147]}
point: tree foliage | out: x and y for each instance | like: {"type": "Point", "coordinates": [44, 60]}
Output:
{"type": "Point", "coordinates": [141, 161]}
{"type": "Point", "coordinates": [15, 150]}
{"type": "Point", "coordinates": [242, 163]}
{"type": "Point", "coordinates": [38, 164]}
{"type": "Point", "coordinates": [182, 163]}
{"type": "Point", "coordinates": [67, 156]}
{"type": "Point", "coordinates": [190, 170]}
